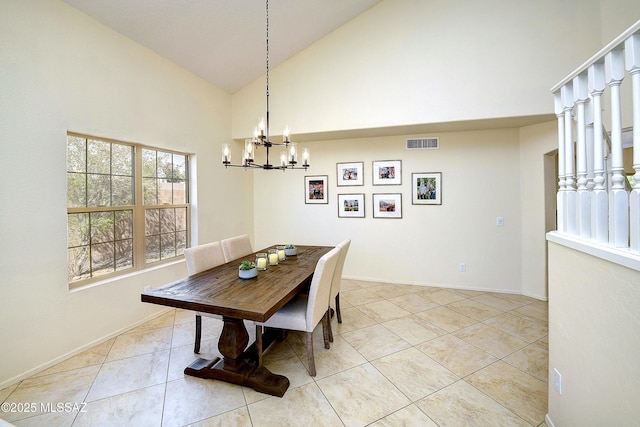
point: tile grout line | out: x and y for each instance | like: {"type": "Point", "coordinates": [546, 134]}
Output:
{"type": "Point", "coordinates": [531, 318]}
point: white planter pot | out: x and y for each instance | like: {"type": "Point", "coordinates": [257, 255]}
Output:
{"type": "Point", "coordinates": [290, 252]}
{"type": "Point", "coordinates": [248, 274]}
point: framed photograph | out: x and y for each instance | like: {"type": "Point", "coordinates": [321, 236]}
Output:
{"type": "Point", "coordinates": [387, 205]}
{"type": "Point", "coordinates": [316, 189]}
{"type": "Point", "coordinates": [350, 205]}
{"type": "Point", "coordinates": [426, 188]}
{"type": "Point", "coordinates": [387, 172]}
{"type": "Point", "coordinates": [350, 174]}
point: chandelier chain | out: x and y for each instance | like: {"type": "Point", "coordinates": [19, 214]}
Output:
{"type": "Point", "coordinates": [267, 72]}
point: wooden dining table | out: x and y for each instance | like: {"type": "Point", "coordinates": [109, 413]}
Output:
{"type": "Point", "coordinates": [220, 291]}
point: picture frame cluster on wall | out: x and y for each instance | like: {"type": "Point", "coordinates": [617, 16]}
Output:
{"type": "Point", "coordinates": [426, 189]}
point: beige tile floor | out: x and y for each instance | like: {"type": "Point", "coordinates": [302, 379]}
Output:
{"type": "Point", "coordinates": [403, 356]}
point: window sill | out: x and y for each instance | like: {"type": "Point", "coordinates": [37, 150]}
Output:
{"type": "Point", "coordinates": [127, 276]}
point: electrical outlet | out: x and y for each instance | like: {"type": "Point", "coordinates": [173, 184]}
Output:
{"type": "Point", "coordinates": [500, 221]}
{"type": "Point", "coordinates": [557, 380]}
{"type": "Point", "coordinates": [463, 267]}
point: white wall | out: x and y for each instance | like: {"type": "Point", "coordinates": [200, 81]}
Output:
{"type": "Point", "coordinates": [404, 62]}
{"type": "Point", "coordinates": [480, 181]}
{"type": "Point", "coordinates": [535, 142]}
{"type": "Point", "coordinates": [486, 174]}
{"type": "Point", "coordinates": [617, 16]}
{"type": "Point", "coordinates": [61, 71]}
{"type": "Point", "coordinates": [594, 343]}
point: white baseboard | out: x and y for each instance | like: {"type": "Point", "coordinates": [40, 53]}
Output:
{"type": "Point", "coordinates": [547, 420]}
{"type": "Point", "coordinates": [440, 285]}
{"type": "Point", "coordinates": [78, 350]}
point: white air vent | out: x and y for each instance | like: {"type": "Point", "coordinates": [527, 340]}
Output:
{"type": "Point", "coordinates": [423, 143]}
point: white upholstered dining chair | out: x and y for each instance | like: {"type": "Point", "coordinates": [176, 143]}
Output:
{"type": "Point", "coordinates": [304, 312]}
{"type": "Point", "coordinates": [336, 282]}
{"type": "Point", "coordinates": [236, 247]}
{"type": "Point", "coordinates": [201, 258]}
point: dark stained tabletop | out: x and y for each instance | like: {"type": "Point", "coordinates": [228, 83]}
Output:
{"type": "Point", "coordinates": [220, 290]}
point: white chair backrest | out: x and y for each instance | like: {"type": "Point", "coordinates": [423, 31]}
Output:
{"type": "Point", "coordinates": [236, 247]}
{"type": "Point", "coordinates": [318, 301]}
{"type": "Point", "coordinates": [337, 276]}
{"type": "Point", "coordinates": [203, 257]}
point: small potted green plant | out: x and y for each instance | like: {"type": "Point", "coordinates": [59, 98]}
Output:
{"type": "Point", "coordinates": [290, 250]}
{"type": "Point", "coordinates": [247, 270]}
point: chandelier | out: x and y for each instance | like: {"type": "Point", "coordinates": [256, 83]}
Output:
{"type": "Point", "coordinates": [289, 152]}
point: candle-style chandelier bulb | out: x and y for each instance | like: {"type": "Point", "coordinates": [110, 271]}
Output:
{"type": "Point", "coordinates": [226, 154]}
{"type": "Point", "coordinates": [305, 158]}
{"type": "Point", "coordinates": [286, 135]}
{"type": "Point", "coordinates": [293, 154]}
{"type": "Point", "coordinates": [248, 147]}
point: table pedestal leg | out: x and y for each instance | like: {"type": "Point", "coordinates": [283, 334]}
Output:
{"type": "Point", "coordinates": [233, 368]}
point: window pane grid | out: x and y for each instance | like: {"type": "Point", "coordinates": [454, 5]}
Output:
{"type": "Point", "coordinates": [166, 234]}
{"type": "Point", "coordinates": [99, 173]}
{"type": "Point", "coordinates": [99, 243]}
{"type": "Point", "coordinates": [165, 180]}
{"type": "Point", "coordinates": [101, 207]}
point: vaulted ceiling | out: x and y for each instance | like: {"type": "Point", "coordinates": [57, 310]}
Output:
{"type": "Point", "coordinates": [223, 41]}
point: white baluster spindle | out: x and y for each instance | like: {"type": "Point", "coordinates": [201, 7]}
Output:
{"type": "Point", "coordinates": [599, 196]}
{"type": "Point", "coordinates": [569, 177]}
{"type": "Point", "coordinates": [618, 197]}
{"type": "Point", "coordinates": [583, 207]}
{"type": "Point", "coordinates": [632, 59]}
{"type": "Point", "coordinates": [560, 196]}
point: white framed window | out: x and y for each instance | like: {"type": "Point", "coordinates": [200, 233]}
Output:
{"type": "Point", "coordinates": [127, 207]}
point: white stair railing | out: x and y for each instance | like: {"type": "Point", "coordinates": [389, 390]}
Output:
{"type": "Point", "coordinates": [592, 206]}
